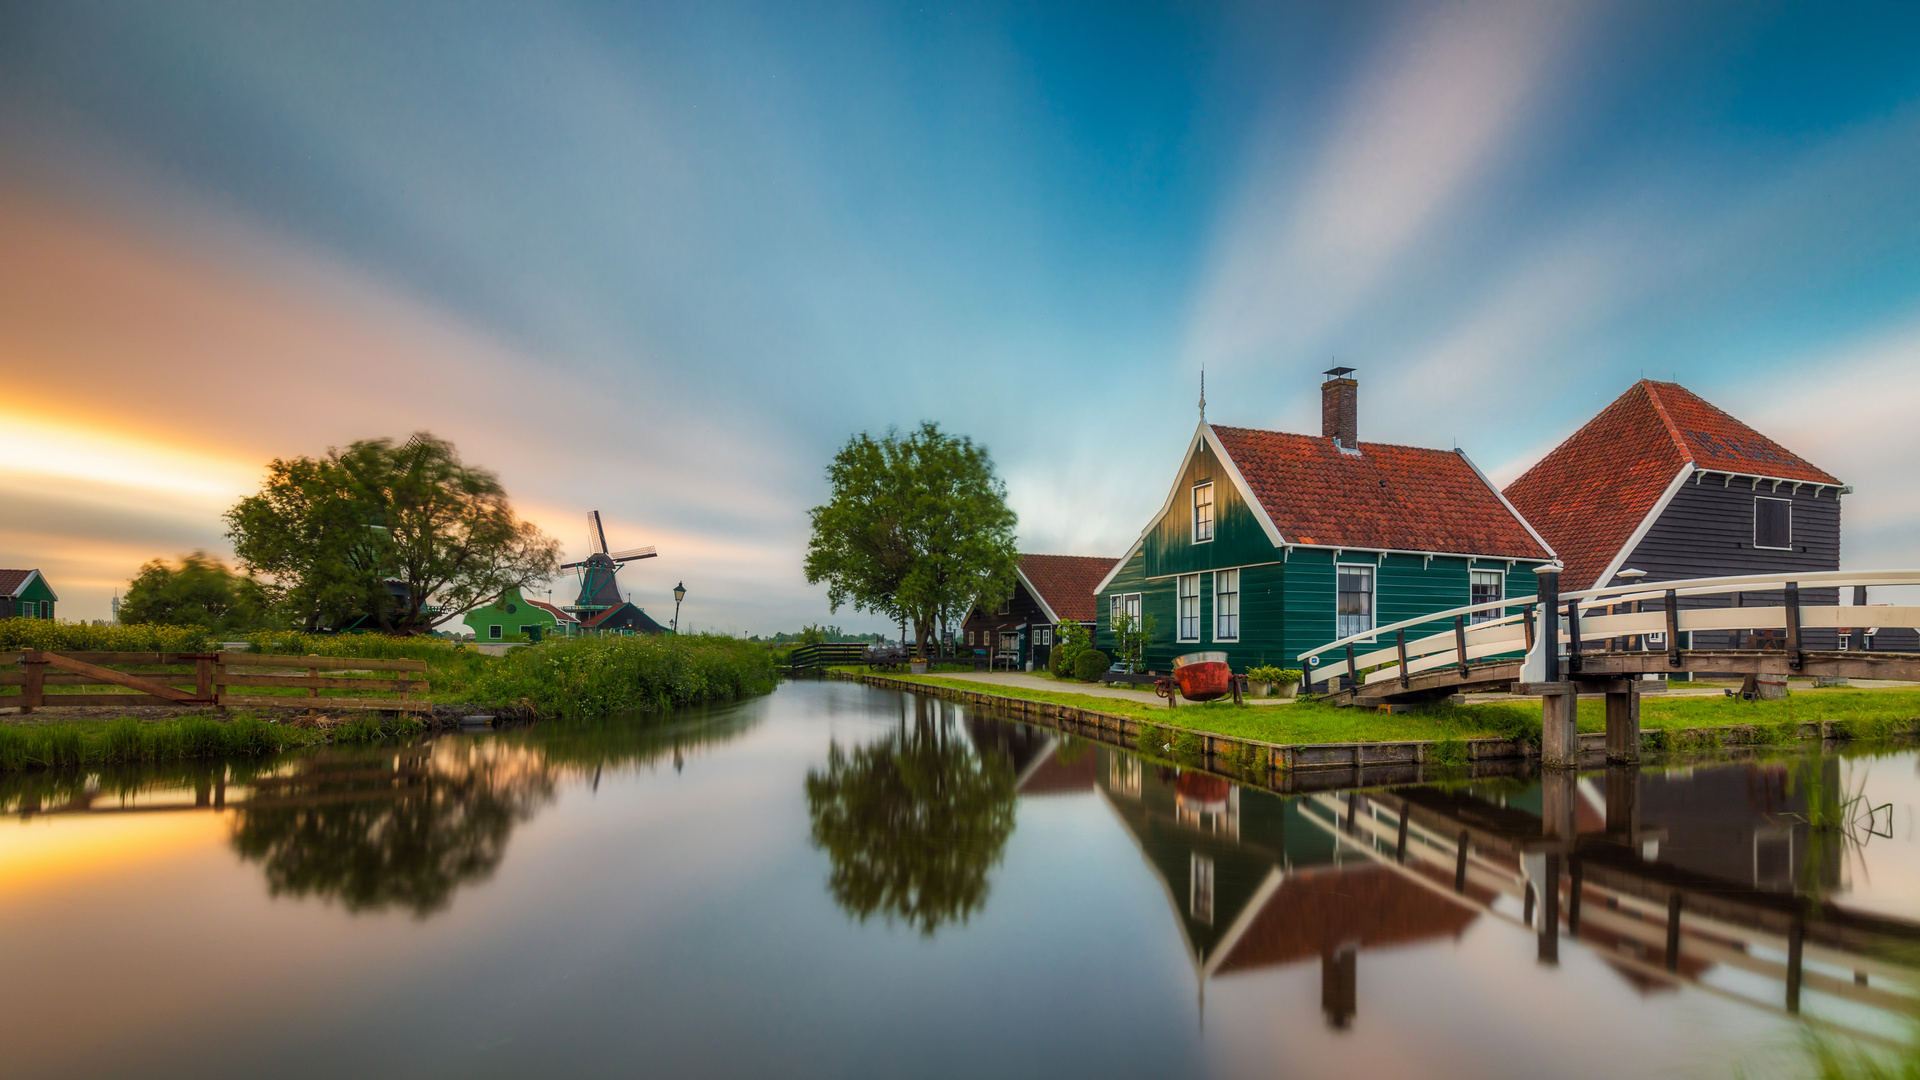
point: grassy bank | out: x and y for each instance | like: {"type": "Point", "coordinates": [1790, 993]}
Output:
{"type": "Point", "coordinates": [127, 741]}
{"type": "Point", "coordinates": [584, 677]}
{"type": "Point", "coordinates": [1864, 714]}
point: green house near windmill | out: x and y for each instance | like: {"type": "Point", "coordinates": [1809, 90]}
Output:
{"type": "Point", "coordinates": [513, 614]}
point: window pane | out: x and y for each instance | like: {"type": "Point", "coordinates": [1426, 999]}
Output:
{"type": "Point", "coordinates": [1355, 601]}
{"type": "Point", "coordinates": [1488, 586]}
{"type": "Point", "coordinates": [1226, 605]}
{"type": "Point", "coordinates": [1189, 607]}
{"type": "Point", "coordinates": [1203, 513]}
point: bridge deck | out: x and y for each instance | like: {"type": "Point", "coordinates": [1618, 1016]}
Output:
{"type": "Point", "coordinates": [1501, 675]}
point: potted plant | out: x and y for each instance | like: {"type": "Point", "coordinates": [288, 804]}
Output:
{"type": "Point", "coordinates": [1273, 681]}
{"type": "Point", "coordinates": [919, 665]}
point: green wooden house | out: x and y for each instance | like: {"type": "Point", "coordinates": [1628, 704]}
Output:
{"type": "Point", "coordinates": [1271, 543]}
{"type": "Point", "coordinates": [514, 614]}
{"type": "Point", "coordinates": [24, 594]}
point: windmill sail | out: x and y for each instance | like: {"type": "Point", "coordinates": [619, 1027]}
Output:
{"type": "Point", "coordinates": [596, 536]}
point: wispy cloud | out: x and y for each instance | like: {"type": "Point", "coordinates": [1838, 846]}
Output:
{"type": "Point", "coordinates": [1295, 259]}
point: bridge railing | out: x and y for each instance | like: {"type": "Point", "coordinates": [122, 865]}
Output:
{"type": "Point", "coordinates": [1512, 632]}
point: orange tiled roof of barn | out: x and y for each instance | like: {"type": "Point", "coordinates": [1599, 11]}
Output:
{"type": "Point", "coordinates": [1066, 582]}
{"type": "Point", "coordinates": [1590, 494]}
{"type": "Point", "coordinates": [1401, 498]}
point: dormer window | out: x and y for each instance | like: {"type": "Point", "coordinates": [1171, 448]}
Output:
{"type": "Point", "coordinates": [1203, 513]}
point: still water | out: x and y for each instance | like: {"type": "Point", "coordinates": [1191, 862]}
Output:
{"type": "Point", "coordinates": [843, 881]}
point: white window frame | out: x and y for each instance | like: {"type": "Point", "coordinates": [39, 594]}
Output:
{"type": "Point", "coordinates": [1757, 500]}
{"type": "Point", "coordinates": [1220, 614]}
{"type": "Point", "coordinates": [1499, 590]}
{"type": "Point", "coordinates": [493, 632]}
{"type": "Point", "coordinates": [1373, 594]}
{"type": "Point", "coordinates": [1207, 486]}
{"type": "Point", "coordinates": [1186, 591]}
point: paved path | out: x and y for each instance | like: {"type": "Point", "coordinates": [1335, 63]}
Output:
{"type": "Point", "coordinates": [1026, 681]}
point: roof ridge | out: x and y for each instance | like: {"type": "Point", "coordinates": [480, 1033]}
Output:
{"type": "Point", "coordinates": [1660, 407]}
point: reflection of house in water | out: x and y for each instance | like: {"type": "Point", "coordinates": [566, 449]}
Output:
{"type": "Point", "coordinates": [1254, 885]}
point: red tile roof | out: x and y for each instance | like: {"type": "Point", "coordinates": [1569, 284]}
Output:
{"type": "Point", "coordinates": [563, 616]}
{"type": "Point", "coordinates": [1590, 494]}
{"type": "Point", "coordinates": [1400, 498]}
{"type": "Point", "coordinates": [1066, 582]}
{"type": "Point", "coordinates": [12, 580]}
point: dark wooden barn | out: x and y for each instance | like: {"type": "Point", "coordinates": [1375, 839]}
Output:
{"type": "Point", "coordinates": [1663, 482]}
{"type": "Point", "coordinates": [1049, 591]}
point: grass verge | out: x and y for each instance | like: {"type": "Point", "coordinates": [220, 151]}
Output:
{"type": "Point", "coordinates": [582, 677]}
{"type": "Point", "coordinates": [127, 741]}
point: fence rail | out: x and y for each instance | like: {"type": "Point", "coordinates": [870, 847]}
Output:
{"type": "Point", "coordinates": [828, 653]}
{"type": "Point", "coordinates": [209, 680]}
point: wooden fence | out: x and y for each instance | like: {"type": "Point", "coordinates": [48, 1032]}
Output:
{"type": "Point", "coordinates": [212, 679]}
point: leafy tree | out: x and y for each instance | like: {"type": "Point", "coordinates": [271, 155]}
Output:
{"type": "Point", "coordinates": [200, 591]}
{"type": "Point", "coordinates": [917, 528]}
{"type": "Point", "coordinates": [912, 824]}
{"type": "Point", "coordinates": [333, 532]}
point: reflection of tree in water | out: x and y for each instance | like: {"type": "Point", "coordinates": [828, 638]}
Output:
{"type": "Point", "coordinates": [912, 824]}
{"type": "Point", "coordinates": [404, 828]}
{"type": "Point", "coordinates": [400, 829]}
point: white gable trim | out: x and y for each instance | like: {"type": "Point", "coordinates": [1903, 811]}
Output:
{"type": "Point", "coordinates": [32, 576]}
{"type": "Point", "coordinates": [1552, 555]}
{"type": "Point", "coordinates": [1646, 525]}
{"type": "Point", "coordinates": [1204, 431]}
{"type": "Point", "coordinates": [1035, 593]}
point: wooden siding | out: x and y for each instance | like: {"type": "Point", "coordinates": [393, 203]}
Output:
{"type": "Point", "coordinates": [1022, 610]}
{"type": "Point", "coordinates": [1406, 587]}
{"type": "Point", "coordinates": [1238, 539]}
{"type": "Point", "coordinates": [1707, 531]}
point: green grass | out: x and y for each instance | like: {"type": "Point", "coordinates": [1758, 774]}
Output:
{"type": "Point", "coordinates": [1304, 721]}
{"type": "Point", "coordinates": [583, 677]}
{"type": "Point", "coordinates": [1866, 714]}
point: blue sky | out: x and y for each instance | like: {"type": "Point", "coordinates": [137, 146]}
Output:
{"type": "Point", "coordinates": [661, 260]}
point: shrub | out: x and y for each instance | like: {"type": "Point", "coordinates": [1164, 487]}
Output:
{"type": "Point", "coordinates": [80, 637]}
{"type": "Point", "coordinates": [1090, 665]}
{"type": "Point", "coordinates": [1072, 641]}
{"type": "Point", "coordinates": [580, 677]}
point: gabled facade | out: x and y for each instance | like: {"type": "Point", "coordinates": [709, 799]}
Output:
{"type": "Point", "coordinates": [514, 614]}
{"type": "Point", "coordinates": [1663, 482]}
{"type": "Point", "coordinates": [24, 594]}
{"type": "Point", "coordinates": [1271, 543]}
{"type": "Point", "coordinates": [1049, 591]}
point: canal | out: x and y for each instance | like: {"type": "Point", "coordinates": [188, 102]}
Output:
{"type": "Point", "coordinates": [837, 880]}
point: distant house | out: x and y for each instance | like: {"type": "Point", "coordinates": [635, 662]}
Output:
{"type": "Point", "coordinates": [1663, 482]}
{"type": "Point", "coordinates": [24, 594]}
{"type": "Point", "coordinates": [1049, 591]}
{"type": "Point", "coordinates": [1271, 543]}
{"type": "Point", "coordinates": [513, 613]}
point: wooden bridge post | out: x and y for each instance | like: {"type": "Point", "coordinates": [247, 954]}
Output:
{"type": "Point", "coordinates": [1623, 721]}
{"type": "Point", "coordinates": [1559, 732]}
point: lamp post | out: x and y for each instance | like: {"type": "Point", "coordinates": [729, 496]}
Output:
{"type": "Point", "coordinates": [679, 594]}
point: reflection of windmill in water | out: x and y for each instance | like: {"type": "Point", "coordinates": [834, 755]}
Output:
{"type": "Point", "coordinates": [600, 605]}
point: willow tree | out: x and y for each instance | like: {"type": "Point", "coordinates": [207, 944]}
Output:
{"type": "Point", "coordinates": [400, 537]}
{"type": "Point", "coordinates": [916, 528]}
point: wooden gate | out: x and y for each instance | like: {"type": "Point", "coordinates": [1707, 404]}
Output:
{"type": "Point", "coordinates": [211, 680]}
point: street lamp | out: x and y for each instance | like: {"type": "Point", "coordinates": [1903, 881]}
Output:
{"type": "Point", "coordinates": [679, 594]}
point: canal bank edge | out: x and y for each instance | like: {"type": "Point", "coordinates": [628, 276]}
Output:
{"type": "Point", "coordinates": [1215, 750]}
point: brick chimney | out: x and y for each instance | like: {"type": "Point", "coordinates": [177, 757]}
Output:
{"type": "Point", "coordinates": [1340, 407]}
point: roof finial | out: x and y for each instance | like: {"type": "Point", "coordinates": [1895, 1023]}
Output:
{"type": "Point", "coordinates": [1203, 391]}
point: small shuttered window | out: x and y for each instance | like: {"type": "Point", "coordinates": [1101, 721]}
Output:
{"type": "Point", "coordinates": [1772, 523]}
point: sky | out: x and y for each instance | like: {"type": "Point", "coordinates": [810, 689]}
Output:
{"type": "Point", "coordinates": [662, 260]}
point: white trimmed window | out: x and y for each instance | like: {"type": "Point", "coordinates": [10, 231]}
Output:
{"type": "Point", "coordinates": [1203, 513]}
{"type": "Point", "coordinates": [1226, 605]}
{"type": "Point", "coordinates": [1488, 586]}
{"type": "Point", "coordinates": [1200, 889]}
{"type": "Point", "coordinates": [1772, 523]}
{"type": "Point", "coordinates": [1189, 609]}
{"type": "Point", "coordinates": [493, 631]}
{"type": "Point", "coordinates": [1354, 604]}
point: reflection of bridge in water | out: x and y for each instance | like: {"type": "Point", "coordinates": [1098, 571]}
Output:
{"type": "Point", "coordinates": [1708, 879]}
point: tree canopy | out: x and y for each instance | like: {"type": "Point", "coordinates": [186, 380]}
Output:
{"type": "Point", "coordinates": [916, 528]}
{"type": "Point", "coordinates": [381, 534]}
{"type": "Point", "coordinates": [200, 591]}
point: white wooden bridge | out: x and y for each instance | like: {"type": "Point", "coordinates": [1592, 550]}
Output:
{"type": "Point", "coordinates": [1604, 641]}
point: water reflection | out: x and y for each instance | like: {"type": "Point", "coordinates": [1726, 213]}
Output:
{"type": "Point", "coordinates": [378, 828]}
{"type": "Point", "coordinates": [913, 821]}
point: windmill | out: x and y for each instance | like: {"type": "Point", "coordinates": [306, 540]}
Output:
{"type": "Point", "coordinates": [598, 592]}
